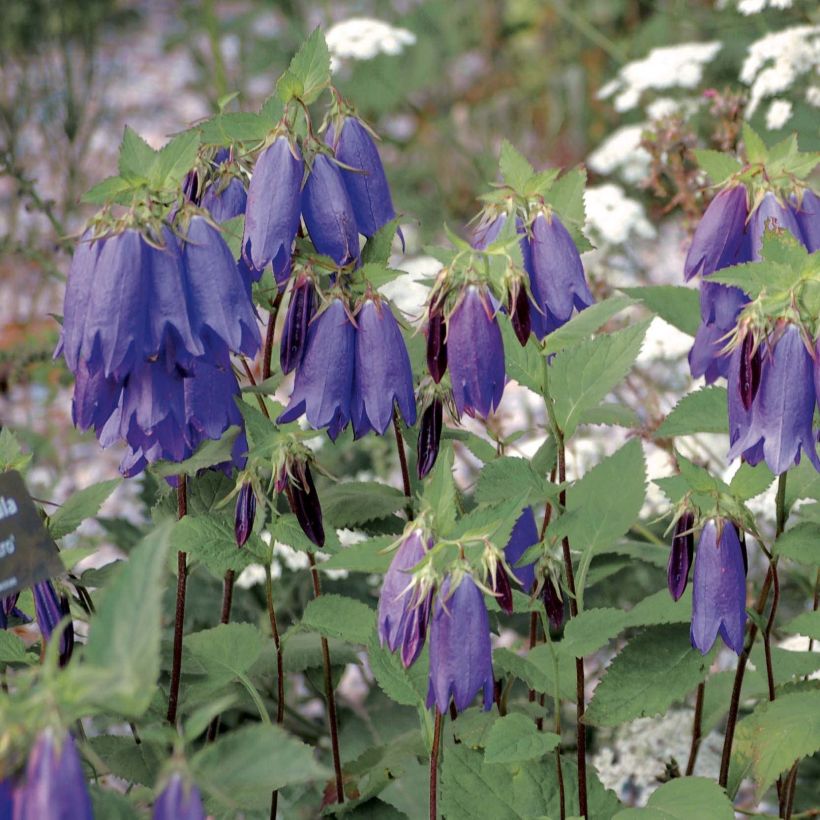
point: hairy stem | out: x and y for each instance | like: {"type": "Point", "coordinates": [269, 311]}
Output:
{"type": "Point", "coordinates": [179, 618]}
{"type": "Point", "coordinates": [405, 473]}
{"type": "Point", "coordinates": [268, 350]}
{"type": "Point", "coordinates": [696, 729]}
{"type": "Point", "coordinates": [434, 751]}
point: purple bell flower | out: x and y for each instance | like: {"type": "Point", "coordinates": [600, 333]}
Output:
{"type": "Point", "coordinates": [460, 651]}
{"type": "Point", "coordinates": [225, 203]}
{"type": "Point", "coordinates": [54, 787]}
{"type": "Point", "coordinates": [680, 556]}
{"type": "Point", "coordinates": [49, 609]}
{"type": "Point", "coordinates": [179, 801]}
{"type": "Point", "coordinates": [294, 334]}
{"type": "Point", "coordinates": [720, 236]}
{"type": "Point", "coordinates": [808, 218]}
{"type": "Point", "coordinates": [771, 214]}
{"type": "Point", "coordinates": [367, 186]}
{"type": "Point", "coordinates": [245, 514]}
{"type": "Point", "coordinates": [95, 398]}
{"type": "Point", "coordinates": [488, 230]}
{"type": "Point", "coordinates": [518, 306]}
{"type": "Point", "coordinates": [556, 272]}
{"type": "Point", "coordinates": [475, 353]}
{"type": "Point", "coordinates": [781, 415]}
{"type": "Point", "coordinates": [324, 380]}
{"type": "Point", "coordinates": [524, 534]}
{"type": "Point", "coordinates": [718, 589]}
{"type": "Point", "coordinates": [429, 437]}
{"type": "Point", "coordinates": [382, 373]}
{"type": "Point", "coordinates": [328, 213]}
{"type": "Point", "coordinates": [403, 614]}
{"type": "Point", "coordinates": [6, 799]}
{"type": "Point", "coordinates": [273, 209]}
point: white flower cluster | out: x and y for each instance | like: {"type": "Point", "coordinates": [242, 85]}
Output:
{"type": "Point", "coordinates": [621, 153]}
{"type": "Point", "coordinates": [612, 217]}
{"type": "Point", "coordinates": [363, 38]}
{"type": "Point", "coordinates": [679, 66]}
{"type": "Point", "coordinates": [749, 7]}
{"type": "Point", "coordinates": [776, 62]}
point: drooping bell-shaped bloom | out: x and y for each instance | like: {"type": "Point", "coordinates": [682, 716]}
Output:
{"type": "Point", "coordinates": [460, 652]}
{"type": "Point", "coordinates": [718, 589]}
{"type": "Point", "coordinates": [680, 556]}
{"type": "Point", "coordinates": [54, 787]}
{"type": "Point", "coordinates": [488, 230]}
{"type": "Point", "coordinates": [475, 353]}
{"type": "Point", "coordinates": [225, 200]}
{"type": "Point", "coordinates": [429, 437]}
{"type": "Point", "coordinates": [382, 375]}
{"type": "Point", "coordinates": [808, 218]}
{"type": "Point", "coordinates": [524, 534]}
{"type": "Point", "coordinates": [556, 272]}
{"type": "Point", "coordinates": [219, 298]}
{"type": "Point", "coordinates": [771, 214]}
{"type": "Point", "coordinates": [49, 609]}
{"type": "Point", "coordinates": [781, 414]}
{"type": "Point", "coordinates": [720, 235]}
{"type": "Point", "coordinates": [367, 185]}
{"type": "Point", "coordinates": [404, 611]}
{"type": "Point", "coordinates": [273, 208]}
{"type": "Point", "coordinates": [328, 213]}
{"type": "Point", "coordinates": [179, 801]}
{"type": "Point", "coordinates": [436, 344]}
{"type": "Point", "coordinates": [294, 334]}
{"type": "Point", "coordinates": [95, 398]}
{"type": "Point", "coordinates": [324, 379]}
{"type": "Point", "coordinates": [245, 514]}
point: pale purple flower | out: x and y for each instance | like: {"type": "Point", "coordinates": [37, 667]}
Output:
{"type": "Point", "coordinates": [179, 801]}
{"type": "Point", "coordinates": [808, 218]}
{"type": "Point", "coordinates": [524, 534]}
{"type": "Point", "coordinates": [720, 236]}
{"type": "Point", "coordinates": [771, 214]}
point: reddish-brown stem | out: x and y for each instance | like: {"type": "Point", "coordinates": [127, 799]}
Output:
{"type": "Point", "coordinates": [405, 473]}
{"type": "Point", "coordinates": [179, 616]}
{"type": "Point", "coordinates": [434, 766]}
{"type": "Point", "coordinates": [696, 729]}
{"type": "Point", "coordinates": [224, 618]}
{"type": "Point", "coordinates": [268, 350]}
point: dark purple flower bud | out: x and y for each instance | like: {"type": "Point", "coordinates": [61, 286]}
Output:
{"type": "Point", "coordinates": [382, 373]}
{"type": "Point", "coordinates": [475, 353]}
{"type": "Point", "coordinates": [219, 298]}
{"type": "Point", "coordinates": [680, 557]}
{"type": "Point", "coordinates": [429, 437]}
{"type": "Point", "coordinates": [305, 504]}
{"type": "Point", "coordinates": [328, 213]}
{"type": "Point", "coordinates": [436, 345]}
{"type": "Point", "coordinates": [461, 662]}
{"type": "Point", "coordinates": [324, 379]}
{"type": "Point", "coordinates": [367, 186]}
{"type": "Point", "coordinates": [502, 589]}
{"type": "Point", "coordinates": [487, 231]}
{"type": "Point", "coordinates": [524, 534]}
{"type": "Point", "coordinates": [403, 615]}
{"type": "Point", "coordinates": [297, 319]}
{"type": "Point", "coordinates": [771, 215]}
{"type": "Point", "coordinates": [782, 412]}
{"type": "Point", "coordinates": [553, 604]}
{"type": "Point", "coordinates": [556, 272]}
{"type": "Point", "coordinates": [50, 609]}
{"type": "Point", "coordinates": [739, 416]}
{"type": "Point", "coordinates": [273, 208]}
{"type": "Point", "coordinates": [54, 787]}
{"type": "Point", "coordinates": [519, 310]}
{"type": "Point", "coordinates": [808, 218]}
{"type": "Point", "coordinates": [720, 236]}
{"type": "Point", "coordinates": [718, 589]}
{"type": "Point", "coordinates": [749, 375]}
{"type": "Point", "coordinates": [245, 514]}
{"type": "Point", "coordinates": [179, 801]}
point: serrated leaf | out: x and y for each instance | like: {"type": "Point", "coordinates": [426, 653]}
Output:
{"type": "Point", "coordinates": [756, 150]}
{"type": "Point", "coordinates": [211, 540]}
{"type": "Point", "coordinates": [702, 411]}
{"type": "Point", "coordinates": [336, 616]}
{"type": "Point", "coordinates": [176, 158]}
{"type": "Point", "coordinates": [311, 65]}
{"type": "Point", "coordinates": [286, 530]}
{"type": "Point", "coordinates": [749, 482]}
{"type": "Point", "coordinates": [371, 556]}
{"type": "Point", "coordinates": [800, 543]}
{"type": "Point", "coordinates": [378, 247]}
{"type": "Point", "coordinates": [224, 129]}
{"type": "Point", "coordinates": [289, 87]}
{"type": "Point", "coordinates": [683, 799]}
{"type": "Point", "coordinates": [210, 453]}
{"type": "Point", "coordinates": [654, 670]}
{"type": "Point", "coordinates": [481, 449]}
{"type": "Point", "coordinates": [440, 492]}
{"type": "Point", "coordinates": [515, 168]}
{"type": "Point", "coordinates": [111, 189]}
{"type": "Point", "coordinates": [355, 502]}
{"type": "Point", "coordinates": [514, 738]}
{"type": "Point", "coordinates": [12, 649]}
{"type": "Point", "coordinates": [582, 376]}
{"type": "Point", "coordinates": [223, 653]}
{"type": "Point", "coordinates": [717, 165]}
{"type": "Point", "coordinates": [806, 623]}
{"type": "Point", "coordinates": [405, 686]}
{"type": "Point", "coordinates": [302, 651]}
{"type": "Point", "coordinates": [612, 415]}
{"type": "Point", "coordinates": [524, 364]}
{"type": "Point", "coordinates": [581, 326]}
{"type": "Point", "coordinates": [133, 762]}
{"type": "Point", "coordinates": [83, 504]}
{"type": "Point", "coordinates": [136, 158]}
{"type": "Point", "coordinates": [566, 196]}
{"type": "Point", "coordinates": [11, 455]}
{"type": "Point", "coordinates": [509, 477]}
{"type": "Point", "coordinates": [677, 305]}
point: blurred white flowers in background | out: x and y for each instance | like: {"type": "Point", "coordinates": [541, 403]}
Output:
{"type": "Point", "coordinates": [612, 217]}
{"type": "Point", "coordinates": [363, 38]}
{"type": "Point", "coordinates": [621, 153]}
{"type": "Point", "coordinates": [749, 7]}
{"type": "Point", "coordinates": [779, 113]}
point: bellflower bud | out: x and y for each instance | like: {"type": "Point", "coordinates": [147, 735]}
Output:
{"type": "Point", "coordinates": [179, 801]}
{"type": "Point", "coordinates": [749, 371]}
{"type": "Point", "coordinates": [294, 334]}
{"type": "Point", "coordinates": [49, 610]}
{"type": "Point", "coordinates": [225, 198]}
{"type": "Point", "coordinates": [518, 306]}
{"type": "Point", "coordinates": [460, 651]}
{"type": "Point", "coordinates": [305, 503]}
{"type": "Point", "coordinates": [429, 437]}
{"type": "Point", "coordinates": [553, 604]}
{"type": "Point", "coordinates": [718, 589]}
{"type": "Point", "coordinates": [245, 514]}
{"type": "Point", "coordinates": [436, 344]}
{"type": "Point", "coordinates": [502, 590]}
{"type": "Point", "coordinates": [524, 534]}
{"type": "Point", "coordinates": [680, 557]}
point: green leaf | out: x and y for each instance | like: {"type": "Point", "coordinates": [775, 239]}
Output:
{"type": "Point", "coordinates": [800, 543]}
{"type": "Point", "coordinates": [581, 376]}
{"type": "Point", "coordinates": [241, 768]}
{"type": "Point", "coordinates": [581, 326]}
{"type": "Point", "coordinates": [84, 504]}
{"type": "Point", "coordinates": [654, 670]}
{"type": "Point", "coordinates": [515, 737]}
{"type": "Point", "coordinates": [680, 306]}
{"type": "Point", "coordinates": [311, 66]}
{"type": "Point", "coordinates": [756, 150]}
{"type": "Point", "coordinates": [378, 247]}
{"type": "Point", "coordinates": [223, 653]}
{"type": "Point", "coordinates": [11, 456]}
{"type": "Point", "coordinates": [702, 411]}
{"type": "Point", "coordinates": [286, 530]}
{"type": "Point", "coordinates": [718, 166]}
{"type": "Point", "coordinates": [224, 129]}
{"type": "Point", "coordinates": [684, 798]}
{"type": "Point", "coordinates": [773, 737]}
{"type": "Point", "coordinates": [133, 762]}
{"type": "Point", "coordinates": [111, 805]}
{"type": "Point", "coordinates": [12, 649]}
{"type": "Point", "coordinates": [355, 502]}
{"type": "Point", "coordinates": [481, 449]}
{"type": "Point", "coordinates": [515, 169]}
{"type": "Point", "coordinates": [611, 415]}
{"type": "Point", "coordinates": [566, 195]}
{"type": "Point", "coordinates": [524, 364]}
{"type": "Point", "coordinates": [749, 482]}
{"type": "Point", "coordinates": [208, 454]}
{"type": "Point", "coordinates": [289, 87]}
{"type": "Point", "coordinates": [121, 657]}
{"type": "Point", "coordinates": [176, 158]}
{"type": "Point", "coordinates": [335, 616]}
{"type": "Point", "coordinates": [806, 623]}
{"type": "Point", "coordinates": [371, 556]}
{"type": "Point", "coordinates": [111, 189]}
{"type": "Point", "coordinates": [211, 540]}
{"type": "Point", "coordinates": [407, 687]}
{"type": "Point", "coordinates": [137, 158]}
{"type": "Point", "coordinates": [440, 492]}
{"type": "Point", "coordinates": [509, 477]}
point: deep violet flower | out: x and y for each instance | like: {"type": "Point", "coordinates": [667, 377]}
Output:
{"type": "Point", "coordinates": [460, 651]}
{"type": "Point", "coordinates": [273, 208]}
{"type": "Point", "coordinates": [245, 514]}
{"type": "Point", "coordinates": [179, 801]}
{"type": "Point", "coordinates": [324, 380]}
{"type": "Point", "coordinates": [488, 230]}
{"type": "Point", "coordinates": [49, 609]}
{"type": "Point", "coordinates": [436, 344]}
{"type": "Point", "coordinates": [7, 798]}
{"type": "Point", "coordinates": [502, 589]}
{"type": "Point", "coordinates": [518, 306]}
{"type": "Point", "coordinates": [680, 556]}
{"type": "Point", "coordinates": [429, 437]}
{"type": "Point", "coordinates": [553, 603]}
{"type": "Point", "coordinates": [718, 588]}
{"type": "Point", "coordinates": [366, 186]}
{"type": "Point", "coordinates": [328, 213]}
{"type": "Point", "coordinates": [808, 217]}
{"type": "Point", "coordinates": [404, 611]}
{"type": "Point", "coordinates": [475, 353]}
{"type": "Point", "coordinates": [780, 417]}
{"type": "Point", "coordinates": [54, 787]}
{"type": "Point", "coordinates": [382, 374]}
{"type": "Point", "coordinates": [294, 334]}
{"type": "Point", "coordinates": [524, 534]}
